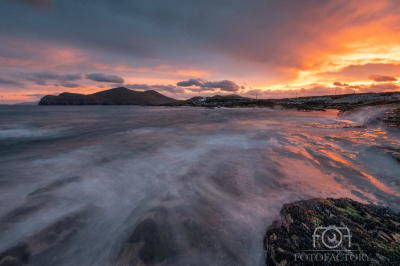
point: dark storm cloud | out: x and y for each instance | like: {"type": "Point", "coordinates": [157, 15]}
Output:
{"type": "Point", "coordinates": [36, 4]}
{"type": "Point", "coordinates": [41, 78]}
{"type": "Point", "coordinates": [168, 88]}
{"type": "Point", "coordinates": [202, 90]}
{"type": "Point", "coordinates": [70, 85]}
{"type": "Point", "coordinates": [8, 81]}
{"type": "Point", "coordinates": [41, 83]}
{"type": "Point", "coordinates": [170, 29]}
{"type": "Point", "coordinates": [191, 82]}
{"type": "Point", "coordinates": [144, 87]}
{"type": "Point", "coordinates": [379, 78]}
{"type": "Point", "coordinates": [224, 85]}
{"type": "Point", "coordinates": [131, 38]}
{"type": "Point", "coordinates": [35, 95]}
{"type": "Point", "coordinates": [51, 75]}
{"type": "Point", "coordinates": [160, 88]}
{"type": "Point", "coordinates": [337, 83]}
{"type": "Point", "coordinates": [104, 78]}
{"type": "Point", "coordinates": [276, 34]}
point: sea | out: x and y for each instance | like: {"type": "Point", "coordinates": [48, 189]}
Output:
{"type": "Point", "coordinates": [131, 185]}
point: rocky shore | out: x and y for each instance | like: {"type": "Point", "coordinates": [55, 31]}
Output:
{"type": "Point", "coordinates": [387, 115]}
{"type": "Point", "coordinates": [344, 102]}
{"type": "Point", "coordinates": [334, 232]}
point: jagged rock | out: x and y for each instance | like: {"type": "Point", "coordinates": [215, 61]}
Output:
{"type": "Point", "coordinates": [391, 117]}
{"type": "Point", "coordinates": [374, 234]}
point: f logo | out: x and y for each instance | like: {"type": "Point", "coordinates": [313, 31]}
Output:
{"type": "Point", "coordinates": [331, 236]}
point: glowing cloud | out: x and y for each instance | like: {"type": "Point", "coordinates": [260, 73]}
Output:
{"type": "Point", "coordinates": [379, 78]}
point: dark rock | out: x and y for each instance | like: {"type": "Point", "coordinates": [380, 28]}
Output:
{"type": "Point", "coordinates": [180, 235]}
{"type": "Point", "coordinates": [344, 102]}
{"type": "Point", "coordinates": [151, 241]}
{"type": "Point", "coordinates": [52, 245]}
{"type": "Point", "coordinates": [391, 152]}
{"type": "Point", "coordinates": [391, 118]}
{"type": "Point", "coordinates": [374, 234]}
{"type": "Point", "coordinates": [35, 202]}
{"type": "Point", "coordinates": [116, 96]}
{"type": "Point", "coordinates": [15, 256]}
{"type": "Point", "coordinates": [55, 185]}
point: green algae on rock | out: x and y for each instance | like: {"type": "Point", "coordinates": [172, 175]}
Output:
{"type": "Point", "coordinates": [373, 236]}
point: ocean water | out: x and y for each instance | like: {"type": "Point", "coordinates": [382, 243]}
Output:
{"type": "Point", "coordinates": [75, 181]}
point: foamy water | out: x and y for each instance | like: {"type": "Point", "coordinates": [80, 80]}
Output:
{"type": "Point", "coordinates": [229, 170]}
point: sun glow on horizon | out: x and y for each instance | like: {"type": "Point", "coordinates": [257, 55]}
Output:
{"type": "Point", "coordinates": [303, 51]}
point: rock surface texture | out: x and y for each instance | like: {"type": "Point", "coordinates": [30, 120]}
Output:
{"type": "Point", "coordinates": [373, 236]}
{"type": "Point", "coordinates": [172, 236]}
{"type": "Point", "coordinates": [342, 102]}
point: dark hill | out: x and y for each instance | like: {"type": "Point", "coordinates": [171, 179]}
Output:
{"type": "Point", "coordinates": [116, 96]}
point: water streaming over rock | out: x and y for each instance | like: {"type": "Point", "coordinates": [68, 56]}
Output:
{"type": "Point", "coordinates": [124, 185]}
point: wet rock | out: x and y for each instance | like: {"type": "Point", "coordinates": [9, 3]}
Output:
{"type": "Point", "coordinates": [15, 256]}
{"type": "Point", "coordinates": [176, 236]}
{"type": "Point", "coordinates": [55, 185]}
{"type": "Point", "coordinates": [344, 102]}
{"type": "Point", "coordinates": [391, 118]}
{"type": "Point", "coordinates": [388, 118]}
{"type": "Point", "coordinates": [51, 245]}
{"type": "Point", "coordinates": [151, 241]}
{"type": "Point", "coordinates": [392, 152]}
{"type": "Point", "coordinates": [35, 201]}
{"type": "Point", "coordinates": [309, 229]}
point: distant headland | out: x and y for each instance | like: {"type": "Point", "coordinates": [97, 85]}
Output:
{"type": "Point", "coordinates": [124, 96]}
{"type": "Point", "coordinates": [116, 96]}
{"type": "Point", "coordinates": [345, 103]}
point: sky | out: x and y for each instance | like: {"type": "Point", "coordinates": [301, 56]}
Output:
{"type": "Point", "coordinates": [263, 48]}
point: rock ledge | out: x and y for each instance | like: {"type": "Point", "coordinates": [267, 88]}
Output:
{"type": "Point", "coordinates": [374, 234]}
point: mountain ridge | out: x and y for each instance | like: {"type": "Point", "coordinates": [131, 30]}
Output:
{"type": "Point", "coordinates": [115, 96]}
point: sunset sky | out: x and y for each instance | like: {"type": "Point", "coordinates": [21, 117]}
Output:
{"type": "Point", "coordinates": [198, 48]}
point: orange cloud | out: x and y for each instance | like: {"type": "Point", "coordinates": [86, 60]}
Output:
{"type": "Point", "coordinates": [321, 90]}
{"type": "Point", "coordinates": [379, 78]}
{"type": "Point", "coordinates": [341, 43]}
{"type": "Point", "coordinates": [340, 84]}
{"type": "Point", "coordinates": [342, 40]}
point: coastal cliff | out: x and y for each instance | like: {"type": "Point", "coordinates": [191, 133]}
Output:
{"type": "Point", "coordinates": [116, 96]}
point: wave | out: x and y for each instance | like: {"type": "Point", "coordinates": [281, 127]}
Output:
{"type": "Point", "coordinates": [26, 133]}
